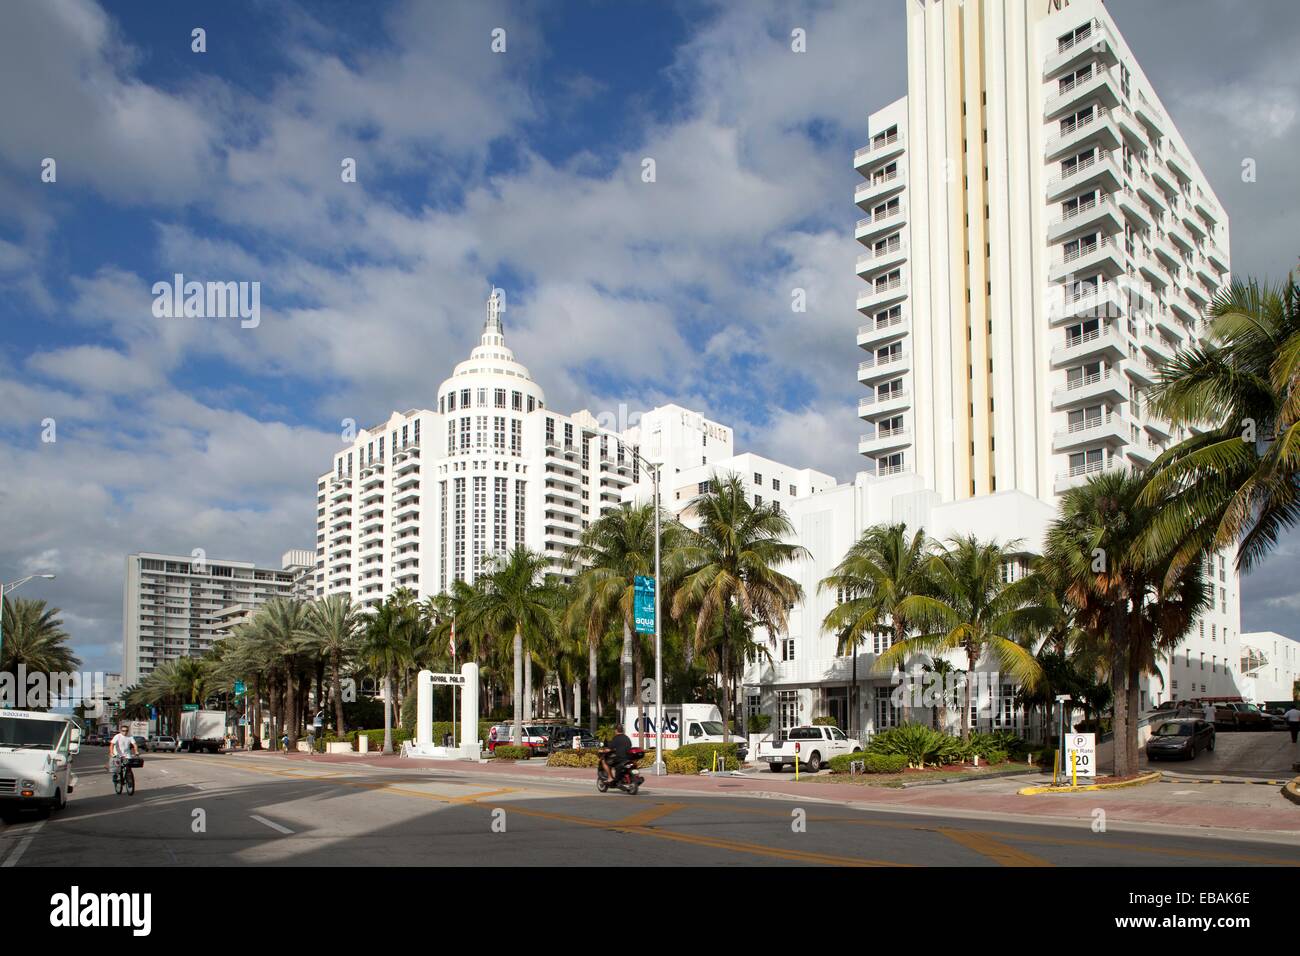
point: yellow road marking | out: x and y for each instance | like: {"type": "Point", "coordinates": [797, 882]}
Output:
{"type": "Point", "coordinates": [650, 815]}
{"type": "Point", "coordinates": [995, 850]}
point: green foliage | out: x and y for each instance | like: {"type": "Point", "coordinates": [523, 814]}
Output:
{"type": "Point", "coordinates": [376, 738]}
{"type": "Point", "coordinates": [364, 712]}
{"type": "Point", "coordinates": [1005, 741]}
{"type": "Point", "coordinates": [702, 754]}
{"type": "Point", "coordinates": [996, 756]}
{"type": "Point", "coordinates": [513, 753]}
{"type": "Point", "coordinates": [573, 758]}
{"type": "Point", "coordinates": [921, 745]}
{"type": "Point", "coordinates": [677, 762]}
{"type": "Point", "coordinates": [873, 762]}
{"type": "Point", "coordinates": [824, 721]}
{"type": "Point", "coordinates": [759, 723]}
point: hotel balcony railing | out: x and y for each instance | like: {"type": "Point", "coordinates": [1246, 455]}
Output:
{"type": "Point", "coordinates": [880, 143]}
{"type": "Point", "coordinates": [1080, 167]}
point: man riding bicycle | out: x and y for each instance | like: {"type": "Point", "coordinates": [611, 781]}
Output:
{"type": "Point", "coordinates": [122, 747]}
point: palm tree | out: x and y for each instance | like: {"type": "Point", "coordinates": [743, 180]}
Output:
{"type": "Point", "coordinates": [880, 571]}
{"type": "Point", "coordinates": [731, 561]}
{"type": "Point", "coordinates": [286, 631]}
{"type": "Point", "coordinates": [512, 598]}
{"type": "Point", "coordinates": [616, 549]}
{"type": "Point", "coordinates": [1134, 603]}
{"type": "Point", "coordinates": [34, 637]}
{"type": "Point", "coordinates": [335, 626]}
{"type": "Point", "coordinates": [972, 608]}
{"type": "Point", "coordinates": [386, 647]}
{"type": "Point", "coordinates": [1235, 483]}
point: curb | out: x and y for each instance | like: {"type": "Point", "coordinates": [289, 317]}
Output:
{"type": "Point", "coordinates": [1139, 782]}
{"type": "Point", "coordinates": [1257, 781]}
{"type": "Point", "coordinates": [1292, 790]}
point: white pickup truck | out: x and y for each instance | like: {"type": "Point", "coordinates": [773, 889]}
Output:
{"type": "Point", "coordinates": [36, 751]}
{"type": "Point", "coordinates": [813, 745]}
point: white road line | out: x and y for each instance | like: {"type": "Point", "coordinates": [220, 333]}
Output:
{"type": "Point", "coordinates": [271, 823]}
{"type": "Point", "coordinates": [23, 844]}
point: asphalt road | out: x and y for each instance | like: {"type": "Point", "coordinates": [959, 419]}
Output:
{"type": "Point", "coordinates": [242, 810]}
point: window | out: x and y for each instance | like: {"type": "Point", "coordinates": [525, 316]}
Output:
{"type": "Point", "coordinates": [787, 649]}
{"type": "Point", "coordinates": [550, 429]}
{"type": "Point", "coordinates": [516, 436]}
{"type": "Point", "coordinates": [758, 479]}
{"type": "Point", "coordinates": [886, 710]}
{"type": "Point", "coordinates": [516, 401]}
{"type": "Point", "coordinates": [776, 484]}
{"type": "Point", "coordinates": [787, 702]}
{"type": "Point", "coordinates": [499, 397]}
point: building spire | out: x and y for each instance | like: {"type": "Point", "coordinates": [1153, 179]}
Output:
{"type": "Point", "coordinates": [493, 330]}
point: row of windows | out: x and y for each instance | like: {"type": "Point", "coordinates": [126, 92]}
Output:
{"type": "Point", "coordinates": [479, 398]}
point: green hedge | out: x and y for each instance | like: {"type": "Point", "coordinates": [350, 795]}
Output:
{"type": "Point", "coordinates": [874, 763]}
{"type": "Point", "coordinates": [574, 758]}
{"type": "Point", "coordinates": [702, 754]}
{"type": "Point", "coordinates": [504, 752]}
{"type": "Point", "coordinates": [377, 738]}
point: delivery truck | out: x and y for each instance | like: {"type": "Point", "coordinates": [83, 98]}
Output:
{"type": "Point", "coordinates": [203, 730]}
{"type": "Point", "coordinates": [36, 752]}
{"type": "Point", "coordinates": [683, 724]}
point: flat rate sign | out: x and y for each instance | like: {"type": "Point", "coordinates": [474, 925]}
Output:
{"type": "Point", "coordinates": [1081, 755]}
{"type": "Point", "coordinates": [643, 610]}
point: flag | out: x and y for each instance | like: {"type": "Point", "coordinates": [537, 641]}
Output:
{"type": "Point", "coordinates": [451, 641]}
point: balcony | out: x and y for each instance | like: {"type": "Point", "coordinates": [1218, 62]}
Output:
{"type": "Point", "coordinates": [1160, 173]}
{"type": "Point", "coordinates": [1135, 208]}
{"type": "Point", "coordinates": [1199, 294]}
{"type": "Point", "coordinates": [881, 330]}
{"type": "Point", "coordinates": [1178, 235]}
{"type": "Point", "coordinates": [892, 254]}
{"type": "Point", "coordinates": [1206, 206]}
{"type": "Point", "coordinates": [884, 440]}
{"type": "Point", "coordinates": [1141, 451]}
{"type": "Point", "coordinates": [1104, 303]}
{"type": "Point", "coordinates": [1095, 41]}
{"type": "Point", "coordinates": [880, 186]}
{"type": "Point", "coordinates": [1183, 310]}
{"type": "Point", "coordinates": [1131, 127]}
{"type": "Point", "coordinates": [340, 488]}
{"type": "Point", "coordinates": [1098, 126]}
{"type": "Point", "coordinates": [1140, 370]}
{"type": "Point", "coordinates": [1149, 190]}
{"type": "Point", "coordinates": [1149, 113]}
{"type": "Point", "coordinates": [883, 403]}
{"type": "Point", "coordinates": [1107, 341]}
{"type": "Point", "coordinates": [882, 294]}
{"type": "Point", "coordinates": [1154, 272]}
{"type": "Point", "coordinates": [1179, 163]}
{"type": "Point", "coordinates": [1206, 271]}
{"type": "Point", "coordinates": [1158, 348]}
{"type": "Point", "coordinates": [1110, 429]}
{"type": "Point", "coordinates": [1062, 97]}
{"type": "Point", "coordinates": [1079, 475]}
{"type": "Point", "coordinates": [1101, 169]}
{"type": "Point", "coordinates": [873, 369]}
{"type": "Point", "coordinates": [1092, 214]}
{"type": "Point", "coordinates": [874, 226]}
{"type": "Point", "coordinates": [1164, 249]}
{"type": "Point", "coordinates": [879, 150]}
{"type": "Point", "coordinates": [1099, 386]}
{"type": "Point", "coordinates": [1105, 255]}
{"type": "Point", "coordinates": [1217, 256]}
{"type": "Point", "coordinates": [1158, 426]}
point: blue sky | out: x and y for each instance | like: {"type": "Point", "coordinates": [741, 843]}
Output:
{"type": "Point", "coordinates": [519, 169]}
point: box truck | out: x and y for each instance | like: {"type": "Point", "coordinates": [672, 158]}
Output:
{"type": "Point", "coordinates": [36, 761]}
{"type": "Point", "coordinates": [203, 730]}
{"type": "Point", "coordinates": [683, 724]}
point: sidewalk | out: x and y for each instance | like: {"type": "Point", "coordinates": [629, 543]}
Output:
{"type": "Point", "coordinates": [1255, 808]}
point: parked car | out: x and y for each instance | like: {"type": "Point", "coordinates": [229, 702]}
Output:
{"type": "Point", "coordinates": [503, 735]}
{"type": "Point", "coordinates": [1237, 715]}
{"type": "Point", "coordinates": [1185, 737]}
{"type": "Point", "coordinates": [814, 746]}
{"type": "Point", "coordinates": [92, 740]}
{"type": "Point", "coordinates": [163, 742]}
{"type": "Point", "coordinates": [141, 743]}
{"type": "Point", "coordinates": [563, 737]}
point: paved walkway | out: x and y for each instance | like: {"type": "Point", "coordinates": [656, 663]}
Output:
{"type": "Point", "coordinates": [1251, 808]}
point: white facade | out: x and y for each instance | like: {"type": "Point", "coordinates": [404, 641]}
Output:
{"type": "Point", "coordinates": [1270, 666]}
{"type": "Point", "coordinates": [175, 606]}
{"type": "Point", "coordinates": [1037, 239]}
{"type": "Point", "coordinates": [422, 499]}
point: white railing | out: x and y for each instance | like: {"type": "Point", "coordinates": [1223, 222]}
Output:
{"type": "Point", "coordinates": [1070, 127]}
{"type": "Point", "coordinates": [1084, 33]}
{"type": "Point", "coordinates": [1086, 380]}
{"type": "Point", "coordinates": [876, 143]}
{"type": "Point", "coordinates": [1085, 250]}
{"type": "Point", "coordinates": [887, 213]}
{"type": "Point", "coordinates": [1080, 167]}
{"type": "Point", "coordinates": [1089, 468]}
{"type": "Point", "coordinates": [1089, 423]}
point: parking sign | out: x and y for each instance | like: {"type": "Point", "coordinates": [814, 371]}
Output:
{"type": "Point", "coordinates": [1081, 755]}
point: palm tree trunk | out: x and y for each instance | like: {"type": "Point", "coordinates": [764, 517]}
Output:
{"type": "Point", "coordinates": [518, 732]}
{"type": "Point", "coordinates": [853, 688]}
{"type": "Point", "coordinates": [971, 661]}
{"type": "Point", "coordinates": [1119, 688]}
{"type": "Point", "coordinates": [591, 686]}
{"type": "Point", "coordinates": [528, 685]}
{"type": "Point", "coordinates": [388, 711]}
{"type": "Point", "coordinates": [337, 691]}
{"type": "Point", "coordinates": [291, 710]}
{"type": "Point", "coordinates": [1134, 714]}
{"type": "Point", "coordinates": [726, 684]}
{"type": "Point", "coordinates": [626, 660]}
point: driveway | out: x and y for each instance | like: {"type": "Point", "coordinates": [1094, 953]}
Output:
{"type": "Point", "coordinates": [1256, 754]}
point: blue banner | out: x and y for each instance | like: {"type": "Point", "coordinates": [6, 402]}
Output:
{"type": "Point", "coordinates": [643, 609]}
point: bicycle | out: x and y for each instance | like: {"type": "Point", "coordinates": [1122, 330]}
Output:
{"type": "Point", "coordinates": [123, 778]}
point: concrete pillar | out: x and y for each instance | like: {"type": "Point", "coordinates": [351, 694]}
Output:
{"type": "Point", "coordinates": [424, 708]}
{"type": "Point", "coordinates": [469, 706]}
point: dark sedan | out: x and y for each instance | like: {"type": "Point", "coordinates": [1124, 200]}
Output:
{"type": "Point", "coordinates": [1180, 738]}
{"type": "Point", "coordinates": [562, 738]}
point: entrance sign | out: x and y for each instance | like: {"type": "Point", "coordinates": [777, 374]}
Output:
{"type": "Point", "coordinates": [643, 610]}
{"type": "Point", "coordinates": [1081, 755]}
{"type": "Point", "coordinates": [457, 679]}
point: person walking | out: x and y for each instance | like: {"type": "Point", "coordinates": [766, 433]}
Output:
{"type": "Point", "coordinates": [1292, 718]}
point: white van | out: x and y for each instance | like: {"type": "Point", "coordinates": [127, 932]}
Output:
{"type": "Point", "coordinates": [683, 724]}
{"type": "Point", "coordinates": [36, 761]}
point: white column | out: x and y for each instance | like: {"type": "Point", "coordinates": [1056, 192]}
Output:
{"type": "Point", "coordinates": [469, 706]}
{"type": "Point", "coordinates": [424, 708]}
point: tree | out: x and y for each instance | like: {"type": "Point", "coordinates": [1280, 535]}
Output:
{"type": "Point", "coordinates": [512, 598]}
{"type": "Point", "coordinates": [732, 560]}
{"type": "Point", "coordinates": [971, 607]}
{"type": "Point", "coordinates": [335, 626]}
{"type": "Point", "coordinates": [1235, 483]}
{"type": "Point", "coordinates": [34, 637]}
{"type": "Point", "coordinates": [286, 632]}
{"type": "Point", "coordinates": [880, 571]}
{"type": "Point", "coordinates": [616, 549]}
{"type": "Point", "coordinates": [386, 647]}
{"type": "Point", "coordinates": [1134, 604]}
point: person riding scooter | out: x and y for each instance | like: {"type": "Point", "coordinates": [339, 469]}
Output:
{"type": "Point", "coordinates": [614, 757]}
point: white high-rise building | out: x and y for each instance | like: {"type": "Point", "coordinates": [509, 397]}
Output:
{"type": "Point", "coordinates": [1037, 238]}
{"type": "Point", "coordinates": [420, 501]}
{"type": "Point", "coordinates": [176, 606]}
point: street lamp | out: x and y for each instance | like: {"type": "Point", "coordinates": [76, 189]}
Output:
{"type": "Point", "coordinates": [6, 588]}
{"type": "Point", "coordinates": [659, 668]}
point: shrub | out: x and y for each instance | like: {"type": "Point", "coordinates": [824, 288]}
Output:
{"type": "Point", "coordinates": [955, 750]}
{"type": "Point", "coordinates": [377, 738]}
{"type": "Point", "coordinates": [573, 758]}
{"type": "Point", "coordinates": [513, 753]}
{"type": "Point", "coordinates": [824, 721]}
{"type": "Point", "coordinates": [677, 762]}
{"type": "Point", "coordinates": [1045, 756]}
{"type": "Point", "coordinates": [1004, 740]}
{"type": "Point", "coordinates": [873, 763]}
{"type": "Point", "coordinates": [996, 756]}
{"type": "Point", "coordinates": [702, 754]}
{"type": "Point", "coordinates": [918, 743]}
{"type": "Point", "coordinates": [758, 723]}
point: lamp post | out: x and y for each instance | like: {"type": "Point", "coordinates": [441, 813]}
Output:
{"type": "Point", "coordinates": [5, 589]}
{"type": "Point", "coordinates": [659, 668]}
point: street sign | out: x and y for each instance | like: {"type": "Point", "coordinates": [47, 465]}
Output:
{"type": "Point", "coordinates": [189, 707]}
{"type": "Point", "coordinates": [643, 610]}
{"type": "Point", "coordinates": [243, 721]}
{"type": "Point", "coordinates": [1081, 755]}
{"type": "Point", "coordinates": [457, 679]}
{"type": "Point", "coordinates": [239, 687]}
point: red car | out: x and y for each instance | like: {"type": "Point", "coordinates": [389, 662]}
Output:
{"type": "Point", "coordinates": [504, 734]}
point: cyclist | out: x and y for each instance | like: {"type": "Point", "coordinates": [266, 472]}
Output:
{"type": "Point", "coordinates": [122, 746]}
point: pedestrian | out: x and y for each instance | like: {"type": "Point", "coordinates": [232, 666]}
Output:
{"type": "Point", "coordinates": [1292, 718]}
{"type": "Point", "coordinates": [311, 741]}
{"type": "Point", "coordinates": [1209, 712]}
{"type": "Point", "coordinates": [284, 743]}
